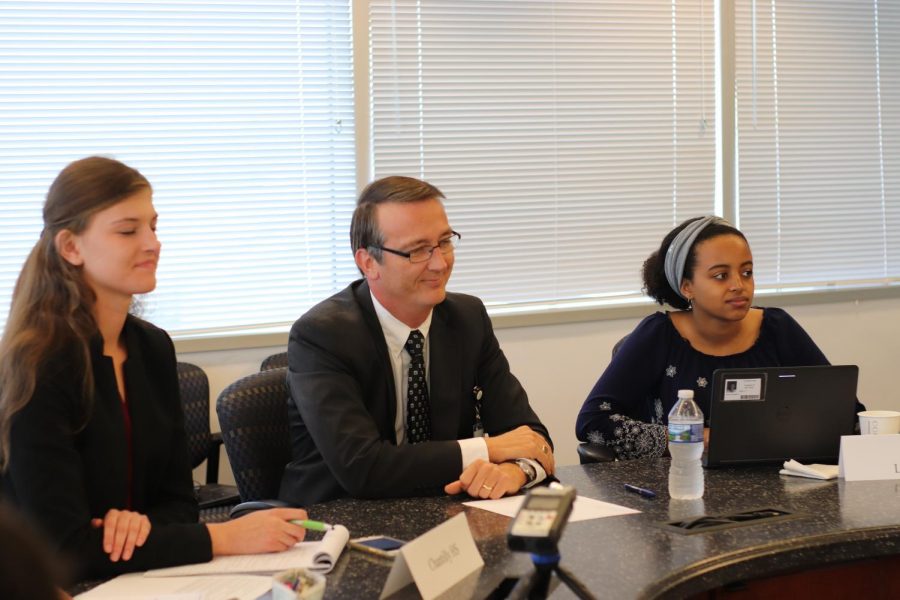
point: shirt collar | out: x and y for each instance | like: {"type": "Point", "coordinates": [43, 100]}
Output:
{"type": "Point", "coordinates": [396, 332]}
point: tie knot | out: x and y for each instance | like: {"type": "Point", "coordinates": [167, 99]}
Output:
{"type": "Point", "coordinates": [415, 343]}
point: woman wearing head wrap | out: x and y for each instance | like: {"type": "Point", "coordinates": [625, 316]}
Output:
{"type": "Point", "coordinates": [704, 268]}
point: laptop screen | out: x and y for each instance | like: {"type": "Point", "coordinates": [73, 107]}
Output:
{"type": "Point", "coordinates": [773, 414]}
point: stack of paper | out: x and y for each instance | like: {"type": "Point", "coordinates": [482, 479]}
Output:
{"type": "Point", "coordinates": [244, 577]}
{"type": "Point", "coordinates": [135, 586]}
{"type": "Point", "coordinates": [792, 467]}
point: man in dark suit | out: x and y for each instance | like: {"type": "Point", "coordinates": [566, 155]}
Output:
{"type": "Point", "coordinates": [395, 382]}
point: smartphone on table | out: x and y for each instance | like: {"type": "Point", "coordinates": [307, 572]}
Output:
{"type": "Point", "coordinates": [380, 545]}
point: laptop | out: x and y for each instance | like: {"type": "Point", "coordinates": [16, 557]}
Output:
{"type": "Point", "coordinates": [772, 414]}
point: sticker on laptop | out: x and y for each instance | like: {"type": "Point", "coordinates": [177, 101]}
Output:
{"type": "Point", "coordinates": [743, 389]}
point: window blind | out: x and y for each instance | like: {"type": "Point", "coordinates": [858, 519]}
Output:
{"type": "Point", "coordinates": [818, 107]}
{"type": "Point", "coordinates": [567, 136]}
{"type": "Point", "coordinates": [240, 113]}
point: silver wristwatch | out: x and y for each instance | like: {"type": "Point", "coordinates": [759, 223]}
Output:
{"type": "Point", "coordinates": [528, 469]}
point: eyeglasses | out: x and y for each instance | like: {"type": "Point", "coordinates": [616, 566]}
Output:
{"type": "Point", "coordinates": [420, 255]}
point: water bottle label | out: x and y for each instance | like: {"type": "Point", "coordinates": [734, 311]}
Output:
{"type": "Point", "coordinates": [685, 432]}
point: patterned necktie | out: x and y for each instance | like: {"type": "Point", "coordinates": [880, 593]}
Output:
{"type": "Point", "coordinates": [418, 419]}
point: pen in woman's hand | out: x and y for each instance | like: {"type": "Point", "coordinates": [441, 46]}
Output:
{"type": "Point", "coordinates": [312, 525]}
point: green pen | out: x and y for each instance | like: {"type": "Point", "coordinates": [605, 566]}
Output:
{"type": "Point", "coordinates": [312, 525]}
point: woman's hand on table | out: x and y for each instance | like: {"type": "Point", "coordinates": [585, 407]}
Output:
{"type": "Point", "coordinates": [123, 531]}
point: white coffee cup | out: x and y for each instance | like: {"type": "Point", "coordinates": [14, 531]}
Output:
{"type": "Point", "coordinates": [879, 422]}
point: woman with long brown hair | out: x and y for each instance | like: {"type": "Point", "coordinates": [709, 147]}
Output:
{"type": "Point", "coordinates": [92, 444]}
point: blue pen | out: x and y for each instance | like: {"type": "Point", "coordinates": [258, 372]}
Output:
{"type": "Point", "coordinates": [640, 491]}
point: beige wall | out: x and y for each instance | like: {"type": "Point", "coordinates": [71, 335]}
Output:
{"type": "Point", "coordinates": [558, 364]}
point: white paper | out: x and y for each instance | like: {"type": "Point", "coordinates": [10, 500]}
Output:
{"type": "Point", "coordinates": [315, 556]}
{"type": "Point", "coordinates": [814, 471]}
{"type": "Point", "coordinates": [135, 586]}
{"type": "Point", "coordinates": [584, 508]}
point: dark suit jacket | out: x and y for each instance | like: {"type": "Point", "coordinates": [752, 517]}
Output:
{"type": "Point", "coordinates": [344, 402]}
{"type": "Point", "coordinates": [65, 469]}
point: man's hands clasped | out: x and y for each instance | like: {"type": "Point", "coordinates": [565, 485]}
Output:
{"type": "Point", "coordinates": [500, 476]}
{"type": "Point", "coordinates": [486, 480]}
{"type": "Point", "coordinates": [521, 442]}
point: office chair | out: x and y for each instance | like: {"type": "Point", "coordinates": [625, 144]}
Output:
{"type": "Point", "coordinates": [203, 445]}
{"type": "Point", "coordinates": [274, 361]}
{"type": "Point", "coordinates": [589, 452]}
{"type": "Point", "coordinates": [254, 419]}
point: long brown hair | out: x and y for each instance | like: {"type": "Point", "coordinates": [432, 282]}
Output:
{"type": "Point", "coordinates": [52, 303]}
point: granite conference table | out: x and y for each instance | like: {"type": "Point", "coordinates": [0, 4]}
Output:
{"type": "Point", "coordinates": [838, 534]}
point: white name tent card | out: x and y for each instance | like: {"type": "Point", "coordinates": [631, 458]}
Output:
{"type": "Point", "coordinates": [436, 560]}
{"type": "Point", "coordinates": [870, 457]}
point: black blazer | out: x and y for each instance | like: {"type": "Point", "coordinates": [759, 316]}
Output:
{"type": "Point", "coordinates": [344, 402]}
{"type": "Point", "coordinates": [65, 469]}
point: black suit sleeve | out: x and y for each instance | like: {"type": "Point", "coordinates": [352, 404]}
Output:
{"type": "Point", "coordinates": [331, 382]}
{"type": "Point", "coordinates": [52, 452]}
{"type": "Point", "coordinates": [172, 498]}
{"type": "Point", "coordinates": [47, 476]}
{"type": "Point", "coordinates": [505, 404]}
{"type": "Point", "coordinates": [342, 388]}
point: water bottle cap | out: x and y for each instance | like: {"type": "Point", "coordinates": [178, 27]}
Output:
{"type": "Point", "coordinates": [685, 393]}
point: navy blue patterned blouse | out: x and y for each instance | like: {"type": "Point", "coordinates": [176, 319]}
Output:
{"type": "Point", "coordinates": [629, 406]}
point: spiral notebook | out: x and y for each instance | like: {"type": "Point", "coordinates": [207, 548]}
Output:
{"type": "Point", "coordinates": [773, 414]}
{"type": "Point", "coordinates": [316, 556]}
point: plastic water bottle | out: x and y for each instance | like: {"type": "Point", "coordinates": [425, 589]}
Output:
{"type": "Point", "coordinates": [686, 448]}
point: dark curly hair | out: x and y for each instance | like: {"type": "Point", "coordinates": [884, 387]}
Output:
{"type": "Point", "coordinates": [654, 272]}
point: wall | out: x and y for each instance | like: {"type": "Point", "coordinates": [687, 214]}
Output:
{"type": "Point", "coordinates": [558, 364]}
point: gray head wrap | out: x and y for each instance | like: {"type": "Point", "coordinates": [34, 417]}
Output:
{"type": "Point", "coordinates": [678, 250]}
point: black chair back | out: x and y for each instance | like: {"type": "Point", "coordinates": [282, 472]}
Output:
{"type": "Point", "coordinates": [194, 387]}
{"type": "Point", "coordinates": [274, 361]}
{"type": "Point", "coordinates": [254, 419]}
{"type": "Point", "coordinates": [203, 444]}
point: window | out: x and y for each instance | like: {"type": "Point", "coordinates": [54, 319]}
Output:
{"type": "Point", "coordinates": [818, 118]}
{"type": "Point", "coordinates": [240, 113]}
{"type": "Point", "coordinates": [567, 136]}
